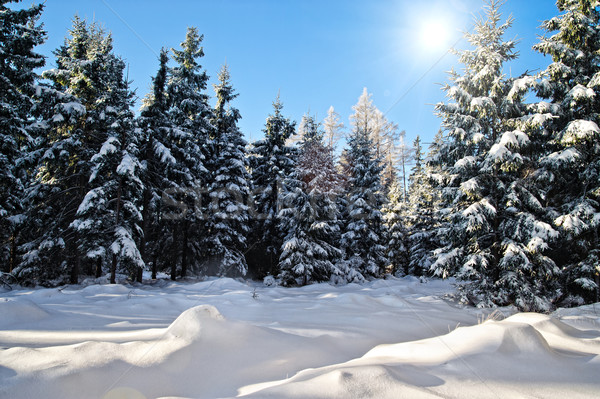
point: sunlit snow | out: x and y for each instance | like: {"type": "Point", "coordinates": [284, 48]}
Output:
{"type": "Point", "coordinates": [224, 338]}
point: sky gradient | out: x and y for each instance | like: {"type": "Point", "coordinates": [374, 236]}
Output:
{"type": "Point", "coordinates": [315, 53]}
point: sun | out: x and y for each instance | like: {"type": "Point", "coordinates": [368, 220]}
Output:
{"type": "Point", "coordinates": [435, 35]}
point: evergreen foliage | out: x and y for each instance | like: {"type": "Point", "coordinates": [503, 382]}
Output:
{"type": "Point", "coordinates": [364, 230]}
{"type": "Point", "coordinates": [187, 141]}
{"type": "Point", "coordinates": [271, 161]}
{"type": "Point", "coordinates": [571, 83]}
{"type": "Point", "coordinates": [309, 213]}
{"type": "Point", "coordinates": [19, 35]}
{"type": "Point", "coordinates": [229, 187]}
{"type": "Point", "coordinates": [499, 235]}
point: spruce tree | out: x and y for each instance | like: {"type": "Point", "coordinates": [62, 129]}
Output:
{"type": "Point", "coordinates": [110, 214]}
{"type": "Point", "coordinates": [271, 161]}
{"type": "Point", "coordinates": [499, 231]}
{"type": "Point", "coordinates": [189, 113]}
{"type": "Point", "coordinates": [83, 111]}
{"type": "Point", "coordinates": [364, 230]}
{"type": "Point", "coordinates": [309, 214]}
{"type": "Point", "coordinates": [229, 186]}
{"type": "Point", "coordinates": [19, 35]}
{"type": "Point", "coordinates": [395, 215]}
{"type": "Point", "coordinates": [572, 164]}
{"type": "Point", "coordinates": [154, 129]}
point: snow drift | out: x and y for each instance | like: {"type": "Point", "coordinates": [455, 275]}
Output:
{"type": "Point", "coordinates": [223, 338]}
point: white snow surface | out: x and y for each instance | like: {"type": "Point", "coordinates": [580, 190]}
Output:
{"type": "Point", "coordinates": [225, 338]}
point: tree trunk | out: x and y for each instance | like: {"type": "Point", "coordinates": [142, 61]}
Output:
{"type": "Point", "coordinates": [174, 252]}
{"type": "Point", "coordinates": [154, 266]}
{"type": "Point", "coordinates": [184, 251]}
{"type": "Point", "coordinates": [113, 267]}
{"type": "Point", "coordinates": [13, 252]}
{"type": "Point", "coordinates": [98, 267]}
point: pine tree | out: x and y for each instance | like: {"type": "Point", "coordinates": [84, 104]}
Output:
{"type": "Point", "coordinates": [189, 113]}
{"type": "Point", "coordinates": [309, 214]}
{"type": "Point", "coordinates": [19, 35]}
{"type": "Point", "coordinates": [364, 230]}
{"type": "Point", "coordinates": [85, 106]}
{"type": "Point", "coordinates": [108, 221]}
{"type": "Point", "coordinates": [229, 186]}
{"type": "Point", "coordinates": [499, 232]}
{"type": "Point", "coordinates": [415, 218]}
{"type": "Point", "coordinates": [156, 158]}
{"type": "Point", "coordinates": [395, 215]}
{"type": "Point", "coordinates": [271, 161]}
{"type": "Point", "coordinates": [572, 163]}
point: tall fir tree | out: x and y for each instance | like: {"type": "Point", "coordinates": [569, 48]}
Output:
{"type": "Point", "coordinates": [499, 235]}
{"type": "Point", "coordinates": [108, 221]}
{"type": "Point", "coordinates": [229, 187]}
{"type": "Point", "coordinates": [271, 161]}
{"type": "Point", "coordinates": [572, 164]}
{"type": "Point", "coordinates": [19, 35]}
{"type": "Point", "coordinates": [309, 214]}
{"type": "Point", "coordinates": [364, 230]}
{"type": "Point", "coordinates": [395, 213]}
{"type": "Point", "coordinates": [154, 127]}
{"type": "Point", "coordinates": [89, 108]}
{"type": "Point", "coordinates": [189, 113]}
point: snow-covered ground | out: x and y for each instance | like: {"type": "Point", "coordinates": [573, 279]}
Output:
{"type": "Point", "coordinates": [222, 338]}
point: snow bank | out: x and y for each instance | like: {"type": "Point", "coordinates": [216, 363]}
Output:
{"type": "Point", "coordinates": [224, 338]}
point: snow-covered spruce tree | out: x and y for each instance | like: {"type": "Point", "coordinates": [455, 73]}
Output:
{"type": "Point", "coordinates": [153, 130]}
{"type": "Point", "coordinates": [417, 217]}
{"type": "Point", "coordinates": [309, 213]}
{"type": "Point", "coordinates": [395, 214]}
{"type": "Point", "coordinates": [498, 233]}
{"type": "Point", "coordinates": [271, 161]}
{"type": "Point", "coordinates": [189, 113]}
{"type": "Point", "coordinates": [364, 230]}
{"type": "Point", "coordinates": [229, 188]}
{"type": "Point", "coordinates": [79, 121]}
{"type": "Point", "coordinates": [572, 165]}
{"type": "Point", "coordinates": [108, 220]}
{"type": "Point", "coordinates": [19, 35]}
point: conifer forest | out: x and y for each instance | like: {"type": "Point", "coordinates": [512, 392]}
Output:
{"type": "Point", "coordinates": [506, 199]}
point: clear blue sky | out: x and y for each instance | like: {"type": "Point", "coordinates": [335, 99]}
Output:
{"type": "Point", "coordinates": [317, 53]}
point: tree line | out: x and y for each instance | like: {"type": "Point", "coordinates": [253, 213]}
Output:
{"type": "Point", "coordinates": [506, 198]}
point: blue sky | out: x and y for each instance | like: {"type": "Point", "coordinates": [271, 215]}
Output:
{"type": "Point", "coordinates": [316, 53]}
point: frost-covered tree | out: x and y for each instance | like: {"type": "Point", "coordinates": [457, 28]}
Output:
{"type": "Point", "coordinates": [309, 213]}
{"type": "Point", "coordinates": [364, 230]}
{"type": "Point", "coordinates": [271, 161]}
{"type": "Point", "coordinates": [229, 187]}
{"type": "Point", "coordinates": [19, 35]}
{"type": "Point", "coordinates": [189, 114]}
{"type": "Point", "coordinates": [382, 133]}
{"type": "Point", "coordinates": [395, 213]}
{"type": "Point", "coordinates": [153, 127]}
{"type": "Point", "coordinates": [420, 215]}
{"type": "Point", "coordinates": [88, 105]}
{"type": "Point", "coordinates": [333, 128]}
{"type": "Point", "coordinates": [572, 167]}
{"type": "Point", "coordinates": [108, 220]}
{"type": "Point", "coordinates": [499, 235]}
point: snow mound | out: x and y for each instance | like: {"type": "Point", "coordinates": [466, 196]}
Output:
{"type": "Point", "coordinates": [189, 323]}
{"type": "Point", "coordinates": [20, 311]}
{"type": "Point", "coordinates": [480, 359]}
